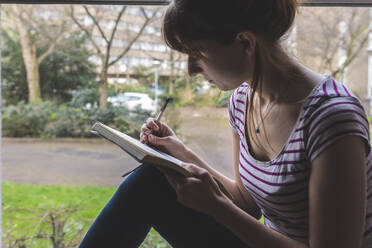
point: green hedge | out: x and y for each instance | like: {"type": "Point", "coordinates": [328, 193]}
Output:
{"type": "Point", "coordinates": [223, 99]}
{"type": "Point", "coordinates": [49, 120]}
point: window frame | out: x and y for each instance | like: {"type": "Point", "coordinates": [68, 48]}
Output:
{"type": "Point", "coordinates": [93, 2]}
{"type": "Point", "coordinates": [310, 3]}
{"type": "Point", "coordinates": [338, 3]}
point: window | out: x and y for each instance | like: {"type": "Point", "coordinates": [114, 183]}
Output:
{"type": "Point", "coordinates": [326, 50]}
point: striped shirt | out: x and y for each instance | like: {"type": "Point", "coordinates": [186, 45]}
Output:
{"type": "Point", "coordinates": [280, 187]}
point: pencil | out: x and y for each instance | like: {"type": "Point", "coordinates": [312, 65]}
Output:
{"type": "Point", "coordinates": [162, 109]}
{"type": "Point", "coordinates": [157, 120]}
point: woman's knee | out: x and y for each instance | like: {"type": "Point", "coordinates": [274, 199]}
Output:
{"type": "Point", "coordinates": [145, 176]}
{"type": "Point", "coordinates": [145, 184]}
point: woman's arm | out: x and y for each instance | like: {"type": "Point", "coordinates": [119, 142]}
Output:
{"type": "Point", "coordinates": [241, 196]}
{"type": "Point", "coordinates": [337, 203]}
{"type": "Point", "coordinates": [338, 195]}
{"type": "Point", "coordinates": [165, 138]}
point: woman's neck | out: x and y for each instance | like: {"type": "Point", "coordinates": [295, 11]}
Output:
{"type": "Point", "coordinates": [289, 83]}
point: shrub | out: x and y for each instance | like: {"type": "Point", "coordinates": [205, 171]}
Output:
{"type": "Point", "coordinates": [83, 97]}
{"type": "Point", "coordinates": [120, 118]}
{"type": "Point", "coordinates": [136, 88]}
{"type": "Point", "coordinates": [27, 120]}
{"type": "Point", "coordinates": [69, 122]}
{"type": "Point", "coordinates": [175, 102]}
{"type": "Point", "coordinates": [223, 99]}
{"type": "Point", "coordinates": [48, 120]}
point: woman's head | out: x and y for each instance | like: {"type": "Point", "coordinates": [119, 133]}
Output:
{"type": "Point", "coordinates": [190, 24]}
{"type": "Point", "coordinates": [189, 21]}
{"type": "Point", "coordinates": [235, 41]}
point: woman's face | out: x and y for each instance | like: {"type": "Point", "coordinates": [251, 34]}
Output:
{"type": "Point", "coordinates": [226, 66]}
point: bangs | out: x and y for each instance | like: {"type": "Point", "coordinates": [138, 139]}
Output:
{"type": "Point", "coordinates": [184, 31]}
{"type": "Point", "coordinates": [178, 33]}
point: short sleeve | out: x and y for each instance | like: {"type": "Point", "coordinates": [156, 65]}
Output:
{"type": "Point", "coordinates": [335, 118]}
{"type": "Point", "coordinates": [231, 108]}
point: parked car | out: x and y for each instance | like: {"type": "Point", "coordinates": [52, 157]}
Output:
{"type": "Point", "coordinates": [133, 100]}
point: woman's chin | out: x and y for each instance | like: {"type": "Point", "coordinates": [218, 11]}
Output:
{"type": "Point", "coordinates": [225, 87]}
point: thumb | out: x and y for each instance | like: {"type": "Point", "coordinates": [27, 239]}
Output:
{"type": "Point", "coordinates": [158, 141]}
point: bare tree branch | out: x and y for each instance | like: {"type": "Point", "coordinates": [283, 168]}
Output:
{"type": "Point", "coordinates": [326, 48]}
{"type": "Point", "coordinates": [96, 23]}
{"type": "Point", "coordinates": [351, 56]}
{"type": "Point", "coordinates": [52, 46]}
{"type": "Point", "coordinates": [75, 57]}
{"type": "Point", "coordinates": [86, 31]}
{"type": "Point", "coordinates": [179, 70]}
{"type": "Point", "coordinates": [109, 43]}
{"type": "Point", "coordinates": [147, 21]}
{"type": "Point", "coordinates": [118, 18]}
{"type": "Point", "coordinates": [144, 13]}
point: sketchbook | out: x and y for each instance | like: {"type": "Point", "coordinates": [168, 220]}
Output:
{"type": "Point", "coordinates": [140, 152]}
{"type": "Point", "coordinates": [143, 153]}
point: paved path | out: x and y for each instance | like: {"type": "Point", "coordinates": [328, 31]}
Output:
{"type": "Point", "coordinates": [74, 162]}
{"type": "Point", "coordinates": [98, 162]}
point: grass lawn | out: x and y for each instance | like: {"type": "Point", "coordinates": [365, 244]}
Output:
{"type": "Point", "coordinates": [31, 210]}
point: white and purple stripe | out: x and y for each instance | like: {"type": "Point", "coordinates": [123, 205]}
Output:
{"type": "Point", "coordinates": [280, 186]}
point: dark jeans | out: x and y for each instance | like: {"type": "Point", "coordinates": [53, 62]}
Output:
{"type": "Point", "coordinates": [145, 200]}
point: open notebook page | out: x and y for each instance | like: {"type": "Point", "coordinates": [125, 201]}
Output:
{"type": "Point", "coordinates": [146, 149]}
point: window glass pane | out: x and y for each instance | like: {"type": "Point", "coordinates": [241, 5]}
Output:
{"type": "Point", "coordinates": [336, 41]}
{"type": "Point", "coordinates": [86, 61]}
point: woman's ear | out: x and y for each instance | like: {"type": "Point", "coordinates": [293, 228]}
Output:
{"type": "Point", "coordinates": [248, 41]}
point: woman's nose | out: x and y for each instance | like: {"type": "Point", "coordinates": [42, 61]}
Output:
{"type": "Point", "coordinates": [193, 66]}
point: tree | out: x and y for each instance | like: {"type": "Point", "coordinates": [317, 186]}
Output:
{"type": "Point", "coordinates": [175, 69]}
{"type": "Point", "coordinates": [14, 85]}
{"type": "Point", "coordinates": [331, 39]}
{"type": "Point", "coordinates": [64, 70]}
{"type": "Point", "coordinates": [91, 20]}
{"type": "Point", "coordinates": [37, 27]}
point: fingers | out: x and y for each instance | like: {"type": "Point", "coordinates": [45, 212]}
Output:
{"type": "Point", "coordinates": [152, 125]}
{"type": "Point", "coordinates": [178, 182]}
{"type": "Point", "coordinates": [159, 141]}
{"type": "Point", "coordinates": [145, 131]}
{"type": "Point", "coordinates": [159, 129]}
{"type": "Point", "coordinates": [174, 180]}
{"type": "Point", "coordinates": [148, 129]}
{"type": "Point", "coordinates": [143, 138]}
{"type": "Point", "coordinates": [196, 170]}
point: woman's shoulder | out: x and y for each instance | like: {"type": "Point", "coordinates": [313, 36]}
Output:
{"type": "Point", "coordinates": [237, 108]}
{"type": "Point", "coordinates": [239, 95]}
{"type": "Point", "coordinates": [332, 112]}
{"type": "Point", "coordinates": [243, 89]}
{"type": "Point", "coordinates": [332, 88]}
{"type": "Point", "coordinates": [330, 96]}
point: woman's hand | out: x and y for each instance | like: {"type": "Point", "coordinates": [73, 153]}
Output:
{"type": "Point", "coordinates": [161, 137]}
{"type": "Point", "coordinates": [199, 192]}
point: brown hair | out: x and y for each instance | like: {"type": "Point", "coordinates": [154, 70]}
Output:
{"type": "Point", "coordinates": [188, 21]}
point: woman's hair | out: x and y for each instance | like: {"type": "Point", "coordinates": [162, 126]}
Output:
{"type": "Point", "coordinates": [188, 22]}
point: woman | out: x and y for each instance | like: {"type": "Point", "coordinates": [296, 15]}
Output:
{"type": "Point", "coordinates": [301, 148]}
